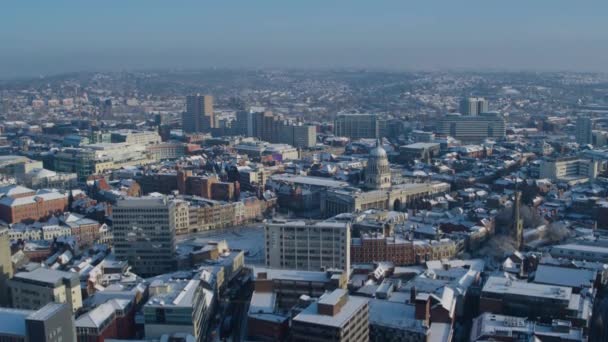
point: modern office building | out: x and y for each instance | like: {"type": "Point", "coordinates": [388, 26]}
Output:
{"type": "Point", "coordinates": [357, 126]}
{"type": "Point", "coordinates": [302, 136]}
{"type": "Point", "coordinates": [144, 234]}
{"type": "Point", "coordinates": [473, 129]}
{"type": "Point", "coordinates": [584, 130]}
{"type": "Point", "coordinates": [473, 106]}
{"type": "Point", "coordinates": [6, 267]}
{"type": "Point", "coordinates": [199, 116]}
{"type": "Point", "coordinates": [97, 158]}
{"type": "Point", "coordinates": [168, 150]}
{"type": "Point", "coordinates": [33, 290]}
{"type": "Point", "coordinates": [106, 108]}
{"type": "Point", "coordinates": [491, 327]}
{"type": "Point", "coordinates": [267, 126]}
{"type": "Point", "coordinates": [243, 124]}
{"type": "Point", "coordinates": [336, 316]}
{"type": "Point", "coordinates": [52, 323]}
{"type": "Point", "coordinates": [395, 321]}
{"type": "Point", "coordinates": [278, 292]}
{"type": "Point", "coordinates": [519, 298]}
{"type": "Point", "coordinates": [581, 251]}
{"type": "Point", "coordinates": [259, 123]}
{"type": "Point", "coordinates": [600, 138]}
{"type": "Point", "coordinates": [571, 169]}
{"type": "Point", "coordinates": [177, 306]}
{"type": "Point", "coordinates": [302, 245]}
{"type": "Point", "coordinates": [289, 284]}
{"type": "Point", "coordinates": [135, 137]}
{"type": "Point", "coordinates": [270, 127]}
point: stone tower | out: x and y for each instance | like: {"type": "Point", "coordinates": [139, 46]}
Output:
{"type": "Point", "coordinates": [377, 172]}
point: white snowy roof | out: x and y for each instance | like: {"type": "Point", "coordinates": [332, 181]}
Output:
{"type": "Point", "coordinates": [394, 315]}
{"type": "Point", "coordinates": [262, 302]}
{"type": "Point", "coordinates": [564, 276]}
{"type": "Point", "coordinates": [48, 196]}
{"type": "Point", "coordinates": [503, 286]}
{"type": "Point", "coordinates": [96, 317]}
{"type": "Point", "coordinates": [14, 190]}
{"type": "Point", "coordinates": [351, 307]}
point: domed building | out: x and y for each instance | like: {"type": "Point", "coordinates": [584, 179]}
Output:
{"type": "Point", "coordinates": [378, 171]}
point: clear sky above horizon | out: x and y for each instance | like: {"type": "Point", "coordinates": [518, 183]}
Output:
{"type": "Point", "coordinates": [49, 37]}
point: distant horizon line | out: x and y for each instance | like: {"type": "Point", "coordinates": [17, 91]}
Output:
{"type": "Point", "coordinates": [311, 69]}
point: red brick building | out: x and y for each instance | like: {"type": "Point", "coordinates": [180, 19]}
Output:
{"type": "Point", "coordinates": [19, 204]}
{"type": "Point", "coordinates": [206, 187]}
{"type": "Point", "coordinates": [84, 230]}
{"type": "Point", "coordinates": [380, 248]}
{"type": "Point", "coordinates": [399, 251]}
{"type": "Point", "coordinates": [222, 191]}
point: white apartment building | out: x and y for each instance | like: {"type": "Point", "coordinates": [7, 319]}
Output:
{"type": "Point", "coordinates": [302, 245]}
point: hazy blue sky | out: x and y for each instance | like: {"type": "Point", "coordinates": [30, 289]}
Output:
{"type": "Point", "coordinates": [52, 36]}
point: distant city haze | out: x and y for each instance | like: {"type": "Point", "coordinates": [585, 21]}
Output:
{"type": "Point", "coordinates": [51, 37]}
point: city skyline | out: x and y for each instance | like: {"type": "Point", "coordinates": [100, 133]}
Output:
{"type": "Point", "coordinates": [293, 171]}
{"type": "Point", "coordinates": [66, 36]}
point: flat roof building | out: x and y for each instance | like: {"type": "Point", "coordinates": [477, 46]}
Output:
{"type": "Point", "coordinates": [357, 126]}
{"type": "Point", "coordinates": [51, 323]}
{"type": "Point", "coordinates": [177, 306]}
{"type": "Point", "coordinates": [289, 285]}
{"type": "Point", "coordinates": [473, 129]}
{"type": "Point", "coordinates": [570, 169]}
{"type": "Point", "coordinates": [491, 327]}
{"type": "Point", "coordinates": [505, 296]}
{"type": "Point", "coordinates": [336, 316]}
{"type": "Point", "coordinates": [302, 245]}
{"type": "Point", "coordinates": [579, 251]}
{"type": "Point", "coordinates": [33, 290]}
{"type": "Point", "coordinates": [395, 321]}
